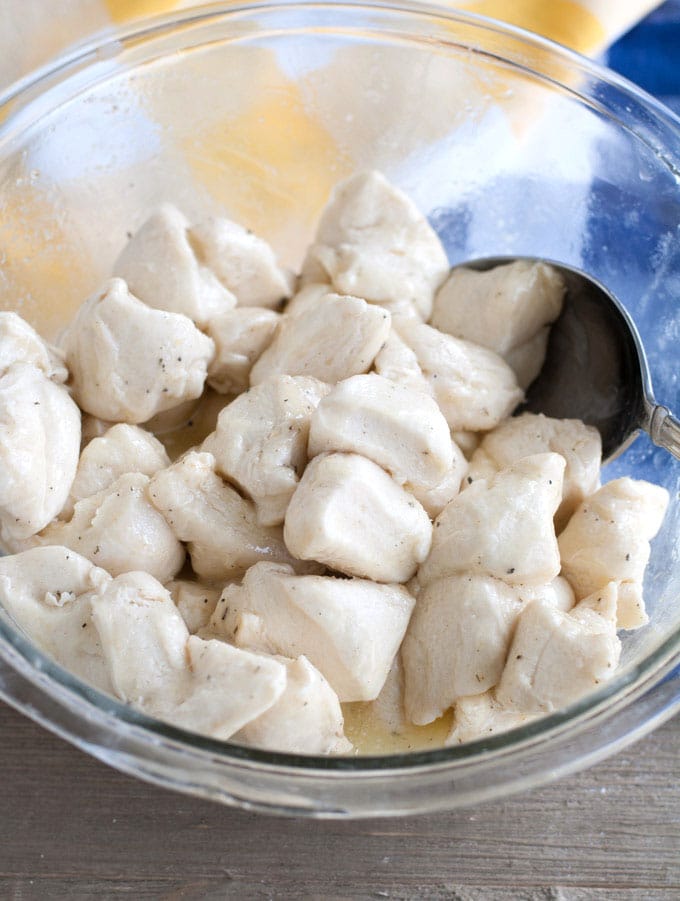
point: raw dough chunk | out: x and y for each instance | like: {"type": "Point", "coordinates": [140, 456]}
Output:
{"type": "Point", "coordinates": [350, 629]}
{"type": "Point", "coordinates": [531, 433]}
{"type": "Point", "coordinates": [480, 716]}
{"type": "Point", "coordinates": [121, 449]}
{"type": "Point", "coordinates": [474, 387]}
{"type": "Point", "coordinates": [195, 602]}
{"type": "Point", "coordinates": [396, 361]}
{"type": "Point", "coordinates": [205, 686]}
{"type": "Point", "coordinates": [306, 719]}
{"type": "Point", "coordinates": [503, 527]}
{"type": "Point", "coordinates": [19, 343]}
{"type": "Point", "coordinates": [307, 298]}
{"type": "Point", "coordinates": [161, 268]}
{"type": "Point", "coordinates": [218, 524]}
{"type": "Point", "coordinates": [244, 263]}
{"type": "Point", "coordinates": [349, 514]}
{"type": "Point", "coordinates": [436, 498]}
{"type": "Point", "coordinates": [260, 442]}
{"type": "Point", "coordinates": [607, 539]}
{"type": "Point", "coordinates": [556, 658]}
{"type": "Point", "coordinates": [374, 243]}
{"type": "Point", "coordinates": [399, 429]}
{"type": "Point", "coordinates": [456, 643]}
{"type": "Point", "coordinates": [120, 529]}
{"type": "Point", "coordinates": [39, 447]}
{"type": "Point", "coordinates": [339, 337]}
{"type": "Point", "coordinates": [47, 592]}
{"type": "Point", "coordinates": [128, 361]}
{"type": "Point", "coordinates": [240, 337]}
{"type": "Point", "coordinates": [559, 593]}
{"type": "Point", "coordinates": [505, 309]}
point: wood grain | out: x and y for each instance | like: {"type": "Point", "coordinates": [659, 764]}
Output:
{"type": "Point", "coordinates": [71, 827]}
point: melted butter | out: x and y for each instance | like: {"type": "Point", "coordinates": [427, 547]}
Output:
{"type": "Point", "coordinates": [370, 735]}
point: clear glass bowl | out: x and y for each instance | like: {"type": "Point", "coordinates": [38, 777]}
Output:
{"type": "Point", "coordinates": [510, 144]}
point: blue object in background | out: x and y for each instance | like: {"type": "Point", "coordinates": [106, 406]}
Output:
{"type": "Point", "coordinates": [649, 54]}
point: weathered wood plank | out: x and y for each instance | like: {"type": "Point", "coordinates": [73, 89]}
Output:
{"type": "Point", "coordinates": [71, 827]}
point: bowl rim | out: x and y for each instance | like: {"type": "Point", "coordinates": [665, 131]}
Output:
{"type": "Point", "coordinates": [68, 689]}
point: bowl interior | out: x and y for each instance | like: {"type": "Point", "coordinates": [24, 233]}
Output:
{"type": "Point", "coordinates": [509, 147]}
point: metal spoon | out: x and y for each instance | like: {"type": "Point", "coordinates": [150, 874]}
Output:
{"type": "Point", "coordinates": [595, 367]}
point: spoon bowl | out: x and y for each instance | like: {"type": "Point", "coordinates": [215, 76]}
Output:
{"type": "Point", "coordinates": [595, 367]}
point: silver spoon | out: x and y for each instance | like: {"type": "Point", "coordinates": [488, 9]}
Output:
{"type": "Point", "coordinates": [595, 367]}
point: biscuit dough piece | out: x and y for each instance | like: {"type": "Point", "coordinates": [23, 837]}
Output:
{"type": "Point", "coordinates": [456, 643]}
{"type": "Point", "coordinates": [204, 686]}
{"type": "Point", "coordinates": [19, 343]}
{"type": "Point", "coordinates": [398, 362]}
{"type": "Point", "coordinates": [260, 441]}
{"type": "Point", "coordinates": [240, 336]}
{"type": "Point", "coordinates": [556, 658]}
{"type": "Point", "coordinates": [307, 298]}
{"type": "Point", "coordinates": [350, 515]}
{"type": "Point", "coordinates": [162, 269]}
{"type": "Point", "coordinates": [121, 449]}
{"type": "Point", "coordinates": [196, 602]}
{"type": "Point", "coordinates": [39, 448]}
{"type": "Point", "coordinates": [373, 242]}
{"type": "Point", "coordinates": [398, 428]}
{"type": "Point", "coordinates": [506, 309]}
{"type": "Point", "coordinates": [220, 526]}
{"type": "Point", "coordinates": [244, 263]}
{"type": "Point", "coordinates": [350, 629]}
{"type": "Point", "coordinates": [607, 539]}
{"type": "Point", "coordinates": [306, 719]}
{"type": "Point", "coordinates": [47, 592]}
{"type": "Point", "coordinates": [337, 338]}
{"type": "Point", "coordinates": [531, 433]}
{"type": "Point", "coordinates": [480, 716]}
{"type": "Point", "coordinates": [474, 387]}
{"type": "Point", "coordinates": [128, 361]}
{"type": "Point", "coordinates": [436, 498]}
{"type": "Point", "coordinates": [502, 527]}
{"type": "Point", "coordinates": [119, 529]}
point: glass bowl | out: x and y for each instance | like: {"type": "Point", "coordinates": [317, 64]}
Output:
{"type": "Point", "coordinates": [510, 144]}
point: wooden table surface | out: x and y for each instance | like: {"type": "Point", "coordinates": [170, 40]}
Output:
{"type": "Point", "coordinates": [71, 827]}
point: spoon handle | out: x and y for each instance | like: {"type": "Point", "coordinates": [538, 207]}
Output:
{"type": "Point", "coordinates": [664, 430]}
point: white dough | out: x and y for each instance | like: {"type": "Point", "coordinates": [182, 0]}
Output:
{"type": "Point", "coordinates": [350, 629]}
{"type": "Point", "coordinates": [506, 309]}
{"type": "Point", "coordinates": [204, 686]}
{"type": "Point", "coordinates": [161, 268]}
{"type": "Point", "coordinates": [240, 336]}
{"type": "Point", "coordinates": [19, 343]}
{"type": "Point", "coordinates": [398, 428]}
{"type": "Point", "coordinates": [337, 338]}
{"type": "Point", "coordinates": [607, 539]}
{"type": "Point", "coordinates": [120, 450]}
{"type": "Point", "coordinates": [502, 527]}
{"type": "Point", "coordinates": [260, 441]}
{"type": "Point", "coordinates": [39, 448]}
{"type": "Point", "coordinates": [306, 719]}
{"type": "Point", "coordinates": [47, 592]}
{"type": "Point", "coordinates": [220, 526]}
{"type": "Point", "coordinates": [349, 514]}
{"type": "Point", "coordinates": [129, 362]}
{"type": "Point", "coordinates": [244, 263]}
{"type": "Point", "coordinates": [530, 433]}
{"type": "Point", "coordinates": [120, 530]}
{"type": "Point", "coordinates": [373, 242]}
{"type": "Point", "coordinates": [474, 387]}
{"type": "Point", "coordinates": [456, 643]}
{"type": "Point", "coordinates": [556, 658]}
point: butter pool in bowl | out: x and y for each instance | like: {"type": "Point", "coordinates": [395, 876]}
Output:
{"type": "Point", "coordinates": [509, 147]}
